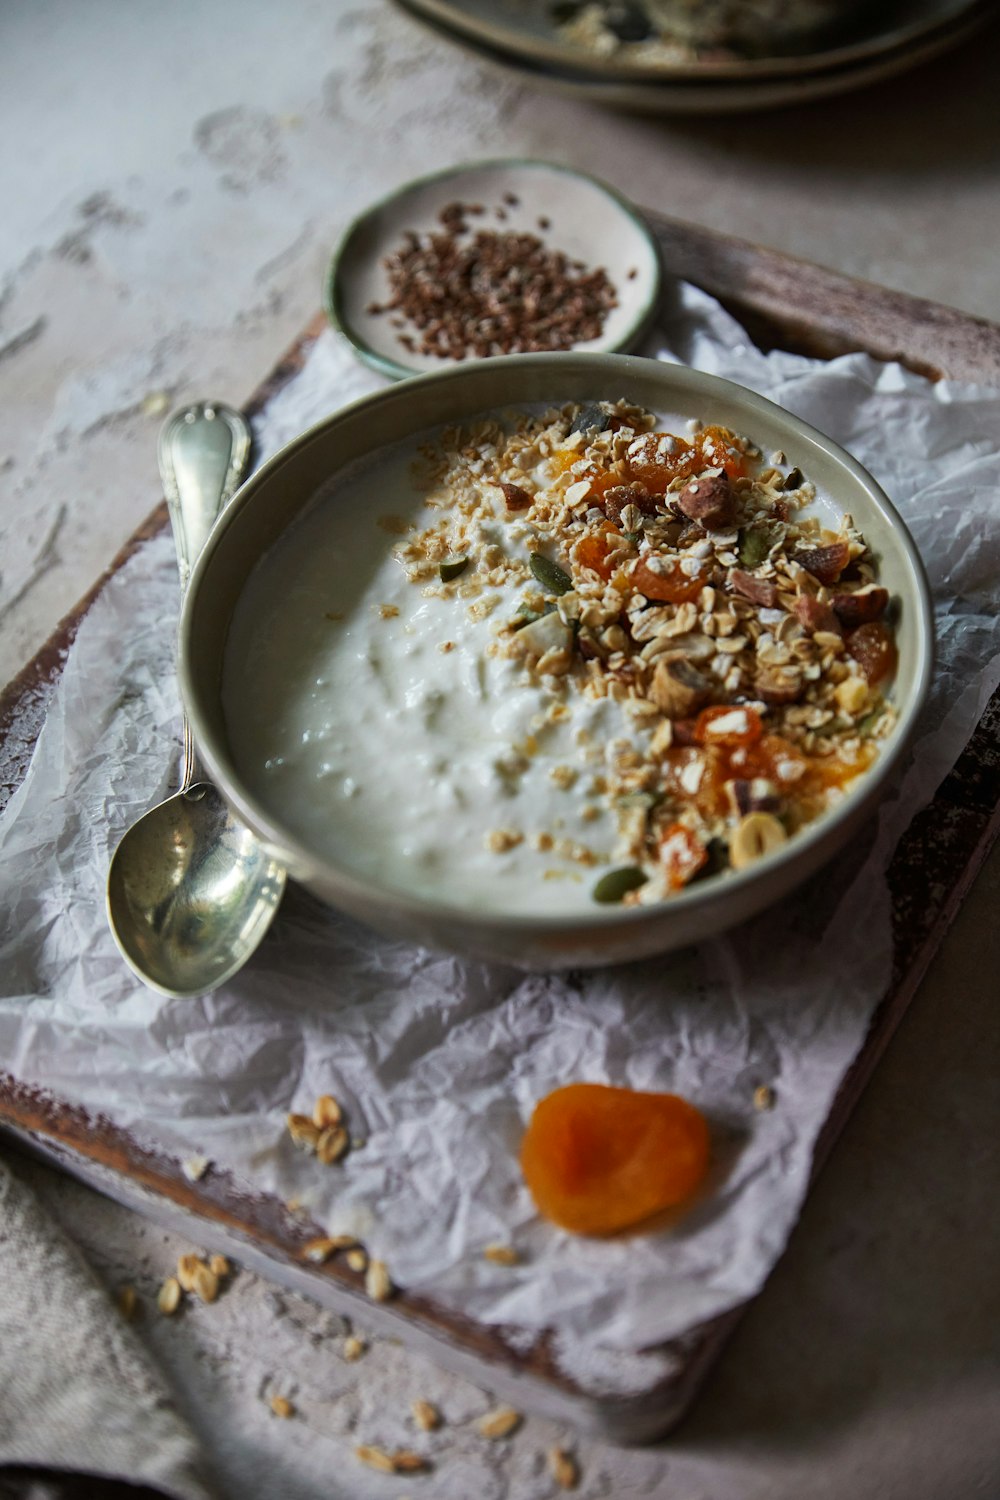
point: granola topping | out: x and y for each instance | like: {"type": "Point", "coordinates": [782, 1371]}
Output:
{"type": "Point", "coordinates": [666, 655]}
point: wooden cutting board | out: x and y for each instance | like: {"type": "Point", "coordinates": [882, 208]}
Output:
{"type": "Point", "coordinates": [783, 303]}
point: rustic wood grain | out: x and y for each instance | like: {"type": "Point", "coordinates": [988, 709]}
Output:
{"type": "Point", "coordinates": [784, 303]}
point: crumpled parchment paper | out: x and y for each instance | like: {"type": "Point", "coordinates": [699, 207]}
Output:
{"type": "Point", "coordinates": [438, 1062]}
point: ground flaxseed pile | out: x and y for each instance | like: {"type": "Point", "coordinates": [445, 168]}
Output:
{"type": "Point", "coordinates": [483, 291]}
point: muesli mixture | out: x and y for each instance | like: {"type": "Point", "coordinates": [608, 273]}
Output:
{"type": "Point", "coordinates": [667, 32]}
{"type": "Point", "coordinates": [684, 578]}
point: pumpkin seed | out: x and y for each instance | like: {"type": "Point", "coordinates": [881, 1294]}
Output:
{"type": "Point", "coordinates": [451, 567]}
{"type": "Point", "coordinates": [592, 418]}
{"type": "Point", "coordinates": [549, 574]}
{"type": "Point", "coordinates": [755, 543]}
{"type": "Point", "coordinates": [617, 883]}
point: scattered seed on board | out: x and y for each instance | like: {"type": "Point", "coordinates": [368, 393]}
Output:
{"type": "Point", "coordinates": [501, 1255]}
{"type": "Point", "coordinates": [354, 1347]}
{"type": "Point", "coordinates": [169, 1296]}
{"type": "Point", "coordinates": [128, 1303]}
{"type": "Point", "coordinates": [564, 1469]}
{"type": "Point", "coordinates": [377, 1282]}
{"type": "Point", "coordinates": [426, 1415]}
{"type": "Point", "coordinates": [763, 1097]}
{"type": "Point", "coordinates": [282, 1407]}
{"type": "Point", "coordinates": [195, 1168]}
{"type": "Point", "coordinates": [357, 1259]}
{"type": "Point", "coordinates": [303, 1131]}
{"type": "Point", "coordinates": [499, 1423]}
{"type": "Point", "coordinates": [326, 1112]}
{"type": "Point", "coordinates": [219, 1266]}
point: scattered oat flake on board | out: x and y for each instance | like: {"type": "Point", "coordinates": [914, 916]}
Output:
{"type": "Point", "coordinates": [564, 1469]}
{"type": "Point", "coordinates": [169, 1296]}
{"type": "Point", "coordinates": [332, 1144]}
{"type": "Point", "coordinates": [128, 1303]}
{"type": "Point", "coordinates": [282, 1407]}
{"type": "Point", "coordinates": [375, 1458]}
{"type": "Point", "coordinates": [763, 1097]}
{"type": "Point", "coordinates": [187, 1270]}
{"type": "Point", "coordinates": [501, 1255]}
{"type": "Point", "coordinates": [195, 1168]}
{"type": "Point", "coordinates": [354, 1347]}
{"type": "Point", "coordinates": [404, 1461]}
{"type": "Point", "coordinates": [377, 1281]}
{"type": "Point", "coordinates": [302, 1131]}
{"type": "Point", "coordinates": [426, 1415]}
{"type": "Point", "coordinates": [499, 1423]}
{"type": "Point", "coordinates": [357, 1259]}
{"type": "Point", "coordinates": [319, 1250]}
{"type": "Point", "coordinates": [206, 1283]}
{"type": "Point", "coordinates": [327, 1112]}
{"type": "Point", "coordinates": [219, 1266]}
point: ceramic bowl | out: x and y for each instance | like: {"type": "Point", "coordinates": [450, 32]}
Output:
{"type": "Point", "coordinates": [272, 499]}
{"type": "Point", "coordinates": [585, 219]}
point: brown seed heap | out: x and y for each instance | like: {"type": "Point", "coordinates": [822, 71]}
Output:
{"type": "Point", "coordinates": [488, 292]}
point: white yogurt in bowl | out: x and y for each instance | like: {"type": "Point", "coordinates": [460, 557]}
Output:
{"type": "Point", "coordinates": [388, 705]}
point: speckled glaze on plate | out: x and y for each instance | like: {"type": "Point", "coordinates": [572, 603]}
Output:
{"type": "Point", "coordinates": [271, 500]}
{"type": "Point", "coordinates": [526, 29]}
{"type": "Point", "coordinates": [699, 92]}
{"type": "Point", "coordinates": [588, 221]}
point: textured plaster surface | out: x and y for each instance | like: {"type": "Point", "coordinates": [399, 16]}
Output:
{"type": "Point", "coordinates": [172, 181]}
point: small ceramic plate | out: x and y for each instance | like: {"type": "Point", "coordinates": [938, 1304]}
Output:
{"type": "Point", "coordinates": [567, 210]}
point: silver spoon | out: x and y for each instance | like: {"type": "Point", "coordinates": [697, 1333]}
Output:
{"type": "Point", "coordinates": [191, 892]}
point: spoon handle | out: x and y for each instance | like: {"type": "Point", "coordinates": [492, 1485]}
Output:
{"type": "Point", "coordinates": [203, 453]}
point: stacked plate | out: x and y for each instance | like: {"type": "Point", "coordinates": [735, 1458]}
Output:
{"type": "Point", "coordinates": [575, 49]}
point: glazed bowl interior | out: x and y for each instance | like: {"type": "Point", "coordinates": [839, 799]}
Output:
{"type": "Point", "coordinates": [277, 494]}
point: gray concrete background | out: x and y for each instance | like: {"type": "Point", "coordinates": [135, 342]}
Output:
{"type": "Point", "coordinates": [172, 179]}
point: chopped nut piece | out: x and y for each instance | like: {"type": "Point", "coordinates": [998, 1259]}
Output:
{"type": "Point", "coordinates": [515, 497]}
{"type": "Point", "coordinates": [779, 684]}
{"type": "Point", "coordinates": [187, 1270]}
{"type": "Point", "coordinates": [861, 607]}
{"type": "Point", "coordinates": [501, 840]}
{"type": "Point", "coordinates": [757, 590]}
{"type": "Point", "coordinates": [757, 834]}
{"type": "Point", "coordinates": [679, 689]}
{"type": "Point", "coordinates": [332, 1144]}
{"type": "Point", "coordinates": [354, 1347]}
{"type": "Point", "coordinates": [851, 694]}
{"type": "Point", "coordinates": [326, 1112]}
{"type": "Point", "coordinates": [709, 501]}
{"type": "Point", "coordinates": [375, 1458]}
{"type": "Point", "coordinates": [501, 1255]}
{"type": "Point", "coordinates": [195, 1168]}
{"type": "Point", "coordinates": [763, 1097]}
{"type": "Point", "coordinates": [377, 1281]}
{"type": "Point", "coordinates": [426, 1415]}
{"type": "Point", "coordinates": [168, 1298]}
{"type": "Point", "coordinates": [282, 1407]}
{"type": "Point", "coordinates": [564, 1469]}
{"type": "Point", "coordinates": [499, 1423]}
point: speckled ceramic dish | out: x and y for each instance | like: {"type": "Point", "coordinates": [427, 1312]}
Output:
{"type": "Point", "coordinates": [852, 33]}
{"type": "Point", "coordinates": [736, 89]}
{"type": "Point", "coordinates": [279, 492]}
{"type": "Point", "coordinates": [567, 210]}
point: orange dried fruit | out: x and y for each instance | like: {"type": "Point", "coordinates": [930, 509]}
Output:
{"type": "Point", "coordinates": [599, 1159]}
{"type": "Point", "coordinates": [668, 583]}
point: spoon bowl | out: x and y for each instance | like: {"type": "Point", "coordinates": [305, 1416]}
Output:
{"type": "Point", "coordinates": [191, 891]}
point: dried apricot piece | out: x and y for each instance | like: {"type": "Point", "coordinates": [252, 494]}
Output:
{"type": "Point", "coordinates": [682, 855]}
{"type": "Point", "coordinates": [599, 1159]}
{"type": "Point", "coordinates": [731, 725]}
{"type": "Point", "coordinates": [668, 583]}
{"type": "Point", "coordinates": [874, 650]}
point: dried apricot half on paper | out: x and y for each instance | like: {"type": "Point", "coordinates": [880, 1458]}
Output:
{"type": "Point", "coordinates": [599, 1159]}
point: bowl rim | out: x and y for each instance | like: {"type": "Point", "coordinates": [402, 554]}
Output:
{"type": "Point", "coordinates": [333, 298]}
{"type": "Point", "coordinates": [716, 890]}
